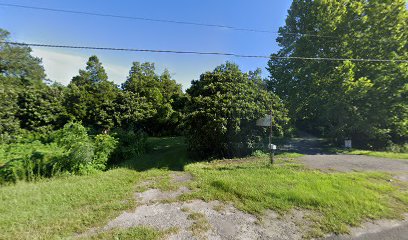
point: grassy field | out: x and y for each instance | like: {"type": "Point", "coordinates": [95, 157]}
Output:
{"type": "Point", "coordinates": [339, 199]}
{"type": "Point", "coordinates": [393, 155]}
{"type": "Point", "coordinates": [65, 206]}
{"type": "Point", "coordinates": [60, 207]}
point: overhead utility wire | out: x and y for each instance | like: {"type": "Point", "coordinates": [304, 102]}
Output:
{"type": "Point", "coordinates": [201, 53]}
{"type": "Point", "coordinates": [159, 20]}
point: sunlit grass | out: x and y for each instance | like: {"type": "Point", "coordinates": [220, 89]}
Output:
{"type": "Point", "coordinates": [64, 206]}
{"type": "Point", "coordinates": [340, 199]}
{"type": "Point", "coordinates": [134, 233]}
{"type": "Point", "coordinates": [378, 154]}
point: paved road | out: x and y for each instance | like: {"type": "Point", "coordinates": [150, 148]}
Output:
{"type": "Point", "coordinates": [399, 232]}
{"type": "Point", "coordinates": [346, 163]}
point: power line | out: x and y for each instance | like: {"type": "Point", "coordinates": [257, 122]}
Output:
{"type": "Point", "coordinates": [160, 20]}
{"type": "Point", "coordinates": [201, 53]}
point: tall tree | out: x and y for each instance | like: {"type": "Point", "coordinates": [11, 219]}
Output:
{"type": "Point", "coordinates": [18, 63]}
{"type": "Point", "coordinates": [150, 99]}
{"type": "Point", "coordinates": [344, 99]}
{"type": "Point", "coordinates": [223, 108]}
{"type": "Point", "coordinates": [26, 101]}
{"type": "Point", "coordinates": [91, 97]}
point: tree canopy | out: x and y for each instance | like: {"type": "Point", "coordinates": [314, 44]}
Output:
{"type": "Point", "coordinates": [364, 101]}
{"type": "Point", "coordinates": [222, 110]}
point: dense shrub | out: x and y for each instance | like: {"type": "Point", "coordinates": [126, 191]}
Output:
{"type": "Point", "coordinates": [131, 144]}
{"type": "Point", "coordinates": [27, 161]}
{"type": "Point", "coordinates": [71, 151]}
{"type": "Point", "coordinates": [222, 112]}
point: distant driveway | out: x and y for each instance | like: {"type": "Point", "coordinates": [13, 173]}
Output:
{"type": "Point", "coordinates": [347, 163]}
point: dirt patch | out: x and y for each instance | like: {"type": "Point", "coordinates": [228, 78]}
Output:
{"type": "Point", "coordinates": [216, 220]}
{"type": "Point", "coordinates": [181, 177]}
{"type": "Point", "coordinates": [155, 195]}
{"type": "Point", "coordinates": [292, 225]}
{"type": "Point", "coordinates": [228, 223]}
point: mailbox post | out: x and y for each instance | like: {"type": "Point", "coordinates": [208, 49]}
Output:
{"type": "Point", "coordinates": [272, 148]}
{"type": "Point", "coordinates": [267, 121]}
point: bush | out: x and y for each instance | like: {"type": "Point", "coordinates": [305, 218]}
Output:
{"type": "Point", "coordinates": [222, 112]}
{"type": "Point", "coordinates": [28, 161]}
{"type": "Point", "coordinates": [104, 147]}
{"type": "Point", "coordinates": [260, 154]}
{"type": "Point", "coordinates": [71, 151]}
{"type": "Point", "coordinates": [131, 144]}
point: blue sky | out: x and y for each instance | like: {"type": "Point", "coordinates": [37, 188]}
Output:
{"type": "Point", "coordinates": [71, 29]}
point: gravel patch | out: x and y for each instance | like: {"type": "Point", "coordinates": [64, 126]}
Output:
{"type": "Point", "coordinates": [156, 195]}
{"type": "Point", "coordinates": [229, 223]}
{"type": "Point", "coordinates": [181, 177]}
{"type": "Point", "coordinates": [224, 220]}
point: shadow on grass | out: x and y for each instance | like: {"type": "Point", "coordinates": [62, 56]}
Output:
{"type": "Point", "coordinates": [162, 153]}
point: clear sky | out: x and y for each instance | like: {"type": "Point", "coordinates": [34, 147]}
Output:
{"type": "Point", "coordinates": [70, 29]}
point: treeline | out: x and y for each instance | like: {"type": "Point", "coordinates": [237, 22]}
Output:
{"type": "Point", "coordinates": [145, 101]}
{"type": "Point", "coordinates": [47, 128]}
{"type": "Point", "coordinates": [361, 100]}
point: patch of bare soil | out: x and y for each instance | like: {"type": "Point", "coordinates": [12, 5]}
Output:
{"type": "Point", "coordinates": [203, 220]}
{"type": "Point", "coordinates": [228, 223]}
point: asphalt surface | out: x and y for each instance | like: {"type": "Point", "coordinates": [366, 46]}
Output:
{"type": "Point", "coordinates": [394, 233]}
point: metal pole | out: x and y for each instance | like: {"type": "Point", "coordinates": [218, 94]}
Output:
{"type": "Point", "coordinates": [270, 140]}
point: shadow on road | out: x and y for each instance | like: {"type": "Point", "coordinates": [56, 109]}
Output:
{"type": "Point", "coordinates": [310, 145]}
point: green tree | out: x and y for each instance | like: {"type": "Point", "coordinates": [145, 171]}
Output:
{"type": "Point", "coordinates": [223, 108]}
{"type": "Point", "coordinates": [17, 62]}
{"type": "Point", "coordinates": [150, 99]}
{"type": "Point", "coordinates": [92, 98]}
{"type": "Point", "coordinates": [42, 109]}
{"type": "Point", "coordinates": [361, 100]}
{"type": "Point", "coordinates": [24, 95]}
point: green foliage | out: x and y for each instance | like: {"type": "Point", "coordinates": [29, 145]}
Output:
{"type": "Point", "coordinates": [71, 151]}
{"type": "Point", "coordinates": [27, 161]}
{"type": "Point", "coordinates": [365, 101]}
{"type": "Point", "coordinates": [17, 63]}
{"type": "Point", "coordinates": [41, 109]}
{"type": "Point", "coordinates": [260, 154]}
{"type": "Point", "coordinates": [131, 144]}
{"type": "Point", "coordinates": [91, 97]}
{"type": "Point", "coordinates": [25, 101]}
{"type": "Point", "coordinates": [392, 155]}
{"type": "Point", "coordinates": [223, 108]}
{"type": "Point", "coordinates": [133, 233]}
{"type": "Point", "coordinates": [150, 101]}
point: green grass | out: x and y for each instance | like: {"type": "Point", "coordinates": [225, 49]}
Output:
{"type": "Point", "coordinates": [200, 223]}
{"type": "Point", "coordinates": [377, 154]}
{"type": "Point", "coordinates": [134, 233]}
{"type": "Point", "coordinates": [63, 206]}
{"type": "Point", "coordinates": [340, 199]}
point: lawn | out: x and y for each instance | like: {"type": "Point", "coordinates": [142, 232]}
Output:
{"type": "Point", "coordinates": [64, 206]}
{"type": "Point", "coordinates": [338, 199]}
